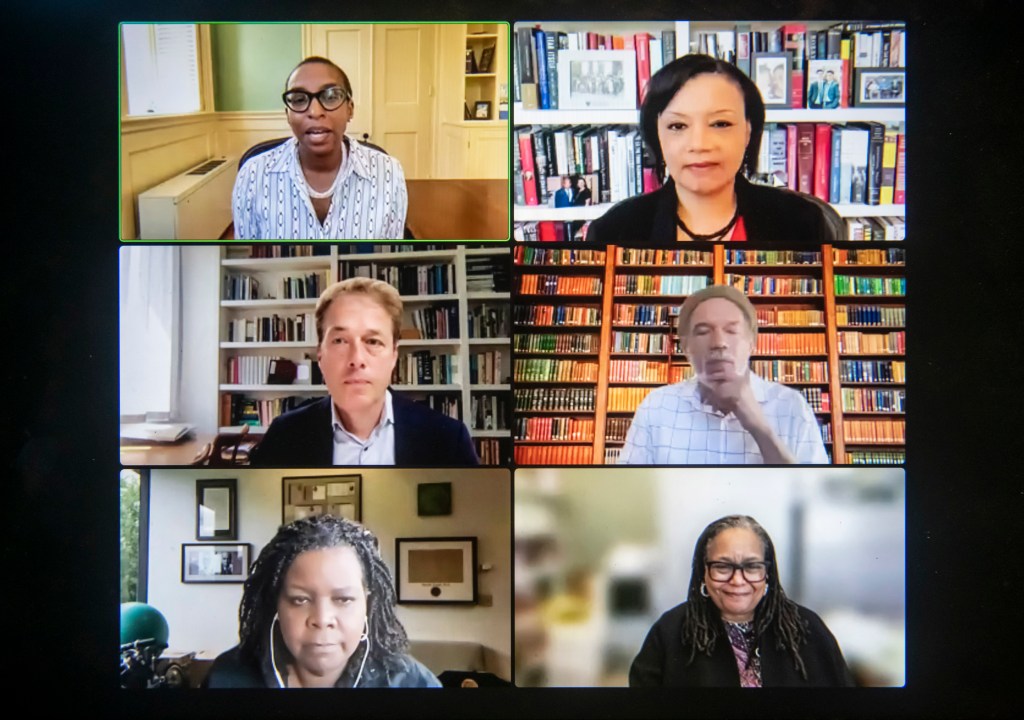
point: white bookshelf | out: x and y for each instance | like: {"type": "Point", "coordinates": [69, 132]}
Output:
{"type": "Point", "coordinates": [269, 272]}
{"type": "Point", "coordinates": [686, 39]}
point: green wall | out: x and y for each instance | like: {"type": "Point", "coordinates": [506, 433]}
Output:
{"type": "Point", "coordinates": [251, 63]}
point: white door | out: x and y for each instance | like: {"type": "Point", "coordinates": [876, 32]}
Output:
{"type": "Point", "coordinates": [350, 47]}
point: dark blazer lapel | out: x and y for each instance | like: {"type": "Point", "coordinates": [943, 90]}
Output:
{"type": "Point", "coordinates": [321, 435]}
{"type": "Point", "coordinates": [407, 441]}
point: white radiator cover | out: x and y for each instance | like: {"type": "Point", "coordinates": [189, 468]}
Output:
{"type": "Point", "coordinates": [190, 206]}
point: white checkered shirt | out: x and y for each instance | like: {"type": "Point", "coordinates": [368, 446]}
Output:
{"type": "Point", "coordinates": [270, 200]}
{"type": "Point", "coordinates": [673, 426]}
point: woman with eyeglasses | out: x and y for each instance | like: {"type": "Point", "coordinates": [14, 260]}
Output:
{"type": "Point", "coordinates": [737, 628]}
{"type": "Point", "coordinates": [320, 184]}
{"type": "Point", "coordinates": [318, 611]}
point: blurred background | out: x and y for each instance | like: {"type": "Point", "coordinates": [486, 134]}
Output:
{"type": "Point", "coordinates": [601, 553]}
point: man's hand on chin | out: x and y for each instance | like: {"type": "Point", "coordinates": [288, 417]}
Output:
{"type": "Point", "coordinates": [732, 393]}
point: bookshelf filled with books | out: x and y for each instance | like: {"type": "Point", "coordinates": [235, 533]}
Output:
{"type": "Point", "coordinates": [847, 145]}
{"type": "Point", "coordinates": [454, 352]}
{"type": "Point", "coordinates": [595, 332]}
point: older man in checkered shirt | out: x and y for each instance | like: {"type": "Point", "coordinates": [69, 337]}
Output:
{"type": "Point", "coordinates": [725, 414]}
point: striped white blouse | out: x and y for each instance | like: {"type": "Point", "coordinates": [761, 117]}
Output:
{"type": "Point", "coordinates": [270, 200]}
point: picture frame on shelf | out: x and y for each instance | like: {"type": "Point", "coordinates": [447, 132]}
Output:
{"type": "Point", "coordinates": [215, 562]}
{"type": "Point", "coordinates": [579, 196]}
{"type": "Point", "coordinates": [824, 83]}
{"type": "Point", "coordinates": [486, 58]}
{"type": "Point", "coordinates": [597, 79]}
{"type": "Point", "coordinates": [880, 87]}
{"type": "Point", "coordinates": [467, 113]}
{"type": "Point", "coordinates": [471, 67]}
{"type": "Point", "coordinates": [309, 496]}
{"type": "Point", "coordinates": [217, 509]}
{"type": "Point", "coordinates": [772, 74]}
{"type": "Point", "coordinates": [438, 570]}
{"type": "Point", "coordinates": [482, 110]}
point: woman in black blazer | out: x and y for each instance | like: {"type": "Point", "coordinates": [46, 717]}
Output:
{"type": "Point", "coordinates": [703, 119]}
{"type": "Point", "coordinates": [737, 628]}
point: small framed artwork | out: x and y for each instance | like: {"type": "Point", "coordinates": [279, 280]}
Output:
{"type": "Point", "coordinates": [337, 495]}
{"type": "Point", "coordinates": [215, 562]}
{"type": "Point", "coordinates": [482, 111]}
{"type": "Point", "coordinates": [824, 80]}
{"type": "Point", "coordinates": [436, 570]}
{"type": "Point", "coordinates": [468, 115]}
{"type": "Point", "coordinates": [433, 499]}
{"type": "Point", "coordinates": [217, 509]}
{"type": "Point", "coordinates": [597, 79]}
{"type": "Point", "coordinates": [880, 87]}
{"type": "Point", "coordinates": [773, 77]}
{"type": "Point", "coordinates": [486, 58]}
{"type": "Point", "coordinates": [471, 68]}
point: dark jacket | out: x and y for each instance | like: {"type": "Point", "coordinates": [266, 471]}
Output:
{"type": "Point", "coordinates": [664, 659]}
{"type": "Point", "coordinates": [230, 670]}
{"type": "Point", "coordinates": [303, 438]}
{"type": "Point", "coordinates": [769, 214]}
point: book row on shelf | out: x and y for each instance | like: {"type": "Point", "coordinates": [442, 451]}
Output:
{"type": "Point", "coordinates": [557, 315]}
{"type": "Point", "coordinates": [565, 399]}
{"type": "Point", "coordinates": [236, 409]}
{"type": "Point", "coordinates": [857, 285]}
{"type": "Point", "coordinates": [550, 343]}
{"type": "Point", "coordinates": [790, 344]}
{"type": "Point", "coordinates": [869, 256]}
{"type": "Point", "coordinates": [876, 457]}
{"type": "Point", "coordinates": [545, 370]}
{"type": "Point", "coordinates": [532, 255]}
{"type": "Point", "coordinates": [437, 321]}
{"type": "Point", "coordinates": [249, 287]}
{"type": "Point", "coordinates": [488, 321]}
{"type": "Point", "coordinates": [428, 279]}
{"type": "Point", "coordinates": [489, 451]}
{"type": "Point", "coordinates": [856, 162]}
{"type": "Point", "coordinates": [873, 371]}
{"type": "Point", "coordinates": [653, 315]}
{"type": "Point", "coordinates": [769, 257]}
{"type": "Point", "coordinates": [489, 411]}
{"type": "Point", "coordinates": [858, 343]}
{"type": "Point", "coordinates": [640, 342]}
{"type": "Point", "coordinates": [787, 317]}
{"type": "Point", "coordinates": [817, 398]}
{"type": "Point", "coordinates": [485, 368]}
{"type": "Point", "coordinates": [300, 327]}
{"type": "Point", "coordinates": [272, 370]}
{"type": "Point", "coordinates": [774, 285]}
{"type": "Point", "coordinates": [627, 399]}
{"type": "Point", "coordinates": [266, 251]}
{"type": "Point", "coordinates": [822, 63]}
{"type": "Point", "coordinates": [559, 285]}
{"type": "Point", "coordinates": [647, 371]}
{"type": "Point", "coordinates": [876, 315]}
{"type": "Point", "coordinates": [553, 454]}
{"type": "Point", "coordinates": [426, 368]}
{"type": "Point", "coordinates": [549, 429]}
{"type": "Point", "coordinates": [488, 273]}
{"type": "Point", "coordinates": [870, 400]}
{"type": "Point", "coordinates": [875, 431]}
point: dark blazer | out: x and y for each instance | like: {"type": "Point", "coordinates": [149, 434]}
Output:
{"type": "Point", "coordinates": [303, 438]}
{"type": "Point", "coordinates": [664, 659]}
{"type": "Point", "coordinates": [769, 214]}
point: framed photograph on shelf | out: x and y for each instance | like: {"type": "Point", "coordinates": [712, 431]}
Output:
{"type": "Point", "coordinates": [597, 79]}
{"type": "Point", "coordinates": [824, 80]}
{"type": "Point", "coordinates": [436, 570]}
{"type": "Point", "coordinates": [880, 87]}
{"type": "Point", "coordinates": [217, 509]}
{"type": "Point", "coordinates": [486, 58]}
{"type": "Point", "coordinates": [482, 110]}
{"type": "Point", "coordinates": [471, 68]}
{"type": "Point", "coordinates": [337, 495]}
{"type": "Point", "coordinates": [215, 562]}
{"type": "Point", "coordinates": [773, 77]}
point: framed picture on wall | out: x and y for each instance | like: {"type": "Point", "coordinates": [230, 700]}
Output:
{"type": "Point", "coordinates": [337, 495]}
{"type": "Point", "coordinates": [771, 73]}
{"type": "Point", "coordinates": [215, 562]}
{"type": "Point", "coordinates": [436, 570]}
{"type": "Point", "coordinates": [217, 509]}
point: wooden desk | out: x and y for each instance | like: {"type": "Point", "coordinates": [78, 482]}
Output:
{"type": "Point", "coordinates": [143, 453]}
{"type": "Point", "coordinates": [458, 209]}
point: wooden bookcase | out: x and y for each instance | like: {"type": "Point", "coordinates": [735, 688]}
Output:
{"type": "Point", "coordinates": [467, 311]}
{"type": "Point", "coordinates": [686, 33]}
{"type": "Point", "coordinates": [633, 313]}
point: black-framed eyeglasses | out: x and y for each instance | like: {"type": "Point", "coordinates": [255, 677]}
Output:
{"type": "Point", "coordinates": [330, 98]}
{"type": "Point", "coordinates": [721, 571]}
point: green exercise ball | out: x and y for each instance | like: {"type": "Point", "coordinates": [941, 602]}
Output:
{"type": "Point", "coordinates": [140, 621]}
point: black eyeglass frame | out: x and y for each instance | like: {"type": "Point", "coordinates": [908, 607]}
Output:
{"type": "Point", "coordinates": [742, 567]}
{"type": "Point", "coordinates": [345, 97]}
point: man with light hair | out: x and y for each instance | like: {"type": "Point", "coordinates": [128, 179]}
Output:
{"type": "Point", "coordinates": [361, 422]}
{"type": "Point", "coordinates": [725, 414]}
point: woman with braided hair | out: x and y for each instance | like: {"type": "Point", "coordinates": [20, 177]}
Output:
{"type": "Point", "coordinates": [737, 628]}
{"type": "Point", "coordinates": [318, 610]}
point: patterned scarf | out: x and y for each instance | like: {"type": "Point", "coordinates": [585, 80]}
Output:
{"type": "Point", "coordinates": [741, 637]}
